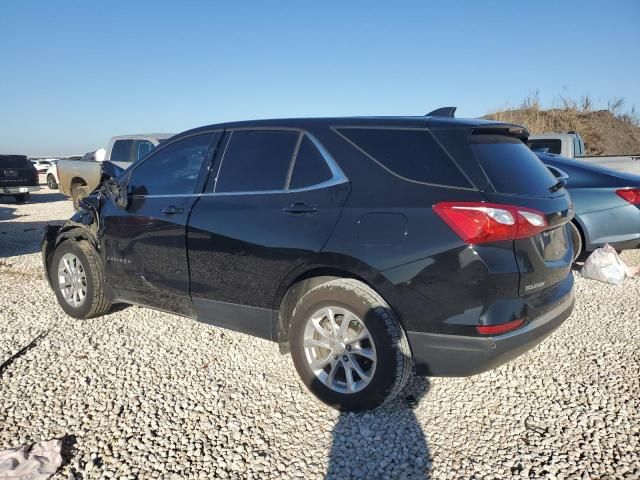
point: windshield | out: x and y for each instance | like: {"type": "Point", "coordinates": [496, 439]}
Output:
{"type": "Point", "coordinates": [14, 161]}
{"type": "Point", "coordinates": [510, 166]}
{"type": "Point", "coordinates": [546, 145]}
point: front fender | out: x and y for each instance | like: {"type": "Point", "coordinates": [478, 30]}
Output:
{"type": "Point", "coordinates": [83, 225]}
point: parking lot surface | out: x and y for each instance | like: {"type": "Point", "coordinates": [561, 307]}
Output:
{"type": "Point", "coordinates": [145, 394]}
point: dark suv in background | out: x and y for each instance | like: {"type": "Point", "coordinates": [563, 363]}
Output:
{"type": "Point", "coordinates": [18, 177]}
{"type": "Point", "coordinates": [365, 246]}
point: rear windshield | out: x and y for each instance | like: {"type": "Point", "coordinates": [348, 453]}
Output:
{"type": "Point", "coordinates": [411, 154]}
{"type": "Point", "coordinates": [14, 161]}
{"type": "Point", "coordinates": [510, 166]}
{"type": "Point", "coordinates": [549, 146]}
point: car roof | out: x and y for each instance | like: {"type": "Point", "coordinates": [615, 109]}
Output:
{"type": "Point", "coordinates": [376, 121]}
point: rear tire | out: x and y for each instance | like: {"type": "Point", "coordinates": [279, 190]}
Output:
{"type": "Point", "coordinates": [51, 182]}
{"type": "Point", "coordinates": [346, 373]}
{"type": "Point", "coordinates": [78, 264]}
{"type": "Point", "coordinates": [23, 198]}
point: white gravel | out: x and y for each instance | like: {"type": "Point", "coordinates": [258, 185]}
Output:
{"type": "Point", "coordinates": [144, 394]}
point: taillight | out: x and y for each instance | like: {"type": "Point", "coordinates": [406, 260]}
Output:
{"type": "Point", "coordinates": [631, 195]}
{"type": "Point", "coordinates": [479, 222]}
{"type": "Point", "coordinates": [501, 328]}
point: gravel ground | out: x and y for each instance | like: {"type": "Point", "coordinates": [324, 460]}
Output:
{"type": "Point", "coordinates": [144, 394]}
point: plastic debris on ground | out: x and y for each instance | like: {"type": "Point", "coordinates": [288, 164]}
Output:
{"type": "Point", "coordinates": [605, 264]}
{"type": "Point", "coordinates": [36, 462]}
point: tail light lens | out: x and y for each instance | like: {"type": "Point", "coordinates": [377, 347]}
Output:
{"type": "Point", "coordinates": [501, 328]}
{"type": "Point", "coordinates": [479, 222]}
{"type": "Point", "coordinates": [631, 195]}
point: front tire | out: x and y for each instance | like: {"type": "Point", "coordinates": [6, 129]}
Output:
{"type": "Point", "coordinates": [78, 278]}
{"type": "Point", "coordinates": [23, 197]}
{"type": "Point", "coordinates": [51, 182]}
{"type": "Point", "coordinates": [348, 346]}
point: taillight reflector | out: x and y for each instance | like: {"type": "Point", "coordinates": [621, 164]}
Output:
{"type": "Point", "coordinates": [498, 329]}
{"type": "Point", "coordinates": [480, 222]}
{"type": "Point", "coordinates": [631, 195]}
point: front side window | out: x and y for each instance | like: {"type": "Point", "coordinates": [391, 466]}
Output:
{"type": "Point", "coordinates": [172, 170]}
{"type": "Point", "coordinates": [256, 161]}
{"type": "Point", "coordinates": [121, 151]}
{"type": "Point", "coordinates": [411, 154]}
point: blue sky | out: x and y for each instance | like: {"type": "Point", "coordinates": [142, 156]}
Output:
{"type": "Point", "coordinates": [72, 74]}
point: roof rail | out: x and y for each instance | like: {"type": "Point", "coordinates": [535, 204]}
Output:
{"type": "Point", "coordinates": [443, 112]}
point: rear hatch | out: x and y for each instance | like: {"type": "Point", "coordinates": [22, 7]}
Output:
{"type": "Point", "coordinates": [17, 171]}
{"type": "Point", "coordinates": [518, 177]}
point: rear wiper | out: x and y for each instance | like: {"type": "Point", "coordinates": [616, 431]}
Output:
{"type": "Point", "coordinates": [561, 184]}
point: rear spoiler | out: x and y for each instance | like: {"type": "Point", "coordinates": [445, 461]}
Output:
{"type": "Point", "coordinates": [511, 130]}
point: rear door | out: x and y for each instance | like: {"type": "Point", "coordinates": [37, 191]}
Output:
{"type": "Point", "coordinates": [271, 207]}
{"type": "Point", "coordinates": [518, 177]}
{"type": "Point", "coordinates": [145, 245]}
{"type": "Point", "coordinates": [17, 171]}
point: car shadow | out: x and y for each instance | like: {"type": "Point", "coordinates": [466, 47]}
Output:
{"type": "Point", "coordinates": [50, 196]}
{"type": "Point", "coordinates": [22, 237]}
{"type": "Point", "coordinates": [384, 443]}
{"type": "Point", "coordinates": [387, 442]}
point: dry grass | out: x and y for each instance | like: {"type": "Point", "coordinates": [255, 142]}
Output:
{"type": "Point", "coordinates": [606, 131]}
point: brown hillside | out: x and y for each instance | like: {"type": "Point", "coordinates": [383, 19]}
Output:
{"type": "Point", "coordinates": [603, 132]}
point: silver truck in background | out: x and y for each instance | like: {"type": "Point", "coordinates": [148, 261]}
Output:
{"type": "Point", "coordinates": [571, 145]}
{"type": "Point", "coordinates": [79, 177]}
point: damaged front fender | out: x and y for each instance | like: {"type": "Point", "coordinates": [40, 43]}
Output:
{"type": "Point", "coordinates": [83, 225]}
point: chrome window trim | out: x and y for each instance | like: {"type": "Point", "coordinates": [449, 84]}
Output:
{"type": "Point", "coordinates": [292, 162]}
{"type": "Point", "coordinates": [471, 187]}
{"type": "Point", "coordinates": [317, 186]}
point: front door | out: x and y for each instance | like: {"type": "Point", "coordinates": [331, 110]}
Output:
{"type": "Point", "coordinates": [145, 245]}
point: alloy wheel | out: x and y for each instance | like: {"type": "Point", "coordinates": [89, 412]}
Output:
{"type": "Point", "coordinates": [340, 350]}
{"type": "Point", "coordinates": [72, 280]}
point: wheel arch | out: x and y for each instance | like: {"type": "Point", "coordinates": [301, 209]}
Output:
{"type": "Point", "coordinates": [582, 229]}
{"type": "Point", "coordinates": [304, 278]}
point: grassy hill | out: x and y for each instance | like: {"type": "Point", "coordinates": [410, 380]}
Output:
{"type": "Point", "coordinates": [605, 132]}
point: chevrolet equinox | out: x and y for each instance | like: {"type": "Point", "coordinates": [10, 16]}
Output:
{"type": "Point", "coordinates": [366, 247]}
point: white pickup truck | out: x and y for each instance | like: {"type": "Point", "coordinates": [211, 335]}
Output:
{"type": "Point", "coordinates": [79, 177]}
{"type": "Point", "coordinates": [571, 145]}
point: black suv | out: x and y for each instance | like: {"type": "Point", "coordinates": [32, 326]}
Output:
{"type": "Point", "coordinates": [18, 177]}
{"type": "Point", "coordinates": [364, 246]}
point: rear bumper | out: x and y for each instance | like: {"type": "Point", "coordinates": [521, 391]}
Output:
{"type": "Point", "coordinates": [18, 190]}
{"type": "Point", "coordinates": [441, 355]}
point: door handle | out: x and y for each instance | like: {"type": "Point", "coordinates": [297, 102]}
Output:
{"type": "Point", "coordinates": [172, 210]}
{"type": "Point", "coordinates": [299, 208]}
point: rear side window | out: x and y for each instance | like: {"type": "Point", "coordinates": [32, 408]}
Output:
{"type": "Point", "coordinates": [14, 161]}
{"type": "Point", "coordinates": [550, 146]}
{"type": "Point", "coordinates": [256, 160]}
{"type": "Point", "coordinates": [310, 167]}
{"type": "Point", "coordinates": [412, 154]}
{"type": "Point", "coordinates": [121, 151]}
{"type": "Point", "coordinates": [510, 166]}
